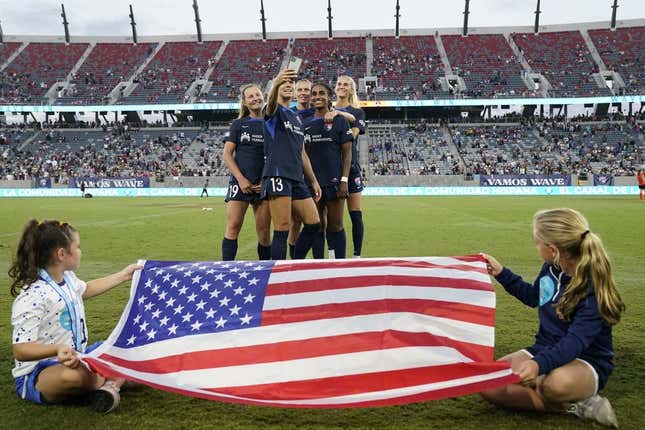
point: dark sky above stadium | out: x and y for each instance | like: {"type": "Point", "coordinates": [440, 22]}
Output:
{"type": "Point", "coordinates": [154, 17]}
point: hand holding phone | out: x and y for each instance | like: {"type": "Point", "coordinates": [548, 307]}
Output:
{"type": "Point", "coordinates": [294, 64]}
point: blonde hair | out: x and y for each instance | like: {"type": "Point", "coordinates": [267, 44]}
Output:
{"type": "Point", "coordinates": [244, 110]}
{"type": "Point", "coordinates": [352, 98]}
{"type": "Point", "coordinates": [568, 230]}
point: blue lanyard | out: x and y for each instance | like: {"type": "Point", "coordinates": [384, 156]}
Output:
{"type": "Point", "coordinates": [68, 296]}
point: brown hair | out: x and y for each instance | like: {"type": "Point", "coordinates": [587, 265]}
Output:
{"type": "Point", "coordinates": [36, 248]}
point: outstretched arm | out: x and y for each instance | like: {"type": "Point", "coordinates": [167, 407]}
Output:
{"type": "Point", "coordinates": [101, 285]}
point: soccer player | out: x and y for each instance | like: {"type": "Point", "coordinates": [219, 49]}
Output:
{"type": "Point", "coordinates": [48, 318]}
{"type": "Point", "coordinates": [304, 110]}
{"type": "Point", "coordinates": [244, 156]}
{"type": "Point", "coordinates": [578, 303]}
{"type": "Point", "coordinates": [329, 146]}
{"type": "Point", "coordinates": [284, 165]}
{"type": "Point", "coordinates": [347, 101]}
{"type": "Point", "coordinates": [640, 177]}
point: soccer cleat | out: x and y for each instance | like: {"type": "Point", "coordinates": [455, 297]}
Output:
{"type": "Point", "coordinates": [595, 408]}
{"type": "Point", "coordinates": [105, 399]}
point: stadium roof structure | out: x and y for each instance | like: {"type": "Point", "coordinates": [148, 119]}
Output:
{"type": "Point", "coordinates": [178, 73]}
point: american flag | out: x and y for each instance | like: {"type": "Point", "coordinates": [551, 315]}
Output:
{"type": "Point", "coordinates": [309, 333]}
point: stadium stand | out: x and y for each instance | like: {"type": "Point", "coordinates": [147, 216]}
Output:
{"type": "Point", "coordinates": [32, 73]}
{"type": "Point", "coordinates": [564, 59]}
{"type": "Point", "coordinates": [487, 64]}
{"type": "Point", "coordinates": [243, 62]}
{"type": "Point", "coordinates": [325, 60]}
{"type": "Point", "coordinates": [407, 68]}
{"type": "Point", "coordinates": [168, 76]}
{"type": "Point", "coordinates": [623, 51]}
{"type": "Point", "coordinates": [107, 65]}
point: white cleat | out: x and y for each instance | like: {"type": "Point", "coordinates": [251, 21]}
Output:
{"type": "Point", "coordinates": [595, 408]}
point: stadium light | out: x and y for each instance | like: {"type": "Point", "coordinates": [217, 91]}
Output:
{"type": "Point", "coordinates": [263, 21]}
{"type": "Point", "coordinates": [198, 21]}
{"type": "Point", "coordinates": [65, 23]}
{"type": "Point", "coordinates": [134, 26]}
{"type": "Point", "coordinates": [466, 13]}
{"type": "Point", "coordinates": [613, 15]}
{"type": "Point", "coordinates": [397, 15]}
{"type": "Point", "coordinates": [536, 27]}
{"type": "Point", "coordinates": [329, 18]}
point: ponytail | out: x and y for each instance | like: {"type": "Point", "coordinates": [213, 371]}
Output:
{"type": "Point", "coordinates": [36, 248]}
{"type": "Point", "coordinates": [568, 230]}
{"type": "Point", "coordinates": [594, 268]}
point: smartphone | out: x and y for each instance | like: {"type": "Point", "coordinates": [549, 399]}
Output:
{"type": "Point", "coordinates": [294, 63]}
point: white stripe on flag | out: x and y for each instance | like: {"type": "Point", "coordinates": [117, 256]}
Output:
{"type": "Point", "coordinates": [169, 381]}
{"type": "Point", "coordinates": [439, 261]}
{"type": "Point", "coordinates": [328, 366]}
{"type": "Point", "coordinates": [380, 292]}
{"type": "Point", "coordinates": [399, 321]}
{"type": "Point", "coordinates": [342, 272]}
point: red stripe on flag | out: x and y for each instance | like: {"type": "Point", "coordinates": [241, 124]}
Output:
{"type": "Point", "coordinates": [455, 311]}
{"type": "Point", "coordinates": [361, 383]}
{"type": "Point", "coordinates": [298, 349]}
{"type": "Point", "coordinates": [366, 263]}
{"type": "Point", "coordinates": [460, 390]}
{"type": "Point", "coordinates": [306, 286]}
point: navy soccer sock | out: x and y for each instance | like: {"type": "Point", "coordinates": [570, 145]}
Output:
{"type": "Point", "coordinates": [229, 249]}
{"type": "Point", "coordinates": [306, 239]}
{"type": "Point", "coordinates": [279, 245]}
{"type": "Point", "coordinates": [264, 252]}
{"type": "Point", "coordinates": [318, 247]}
{"type": "Point", "coordinates": [357, 231]}
{"type": "Point", "coordinates": [338, 242]}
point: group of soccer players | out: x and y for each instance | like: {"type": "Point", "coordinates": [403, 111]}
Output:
{"type": "Point", "coordinates": [296, 166]}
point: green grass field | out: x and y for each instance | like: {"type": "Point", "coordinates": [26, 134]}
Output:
{"type": "Point", "coordinates": [115, 232]}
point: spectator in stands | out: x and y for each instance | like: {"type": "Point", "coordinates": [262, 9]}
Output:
{"type": "Point", "coordinates": [244, 156]}
{"type": "Point", "coordinates": [578, 303]}
{"type": "Point", "coordinates": [329, 146]}
{"type": "Point", "coordinates": [285, 163]}
{"type": "Point", "coordinates": [347, 101]}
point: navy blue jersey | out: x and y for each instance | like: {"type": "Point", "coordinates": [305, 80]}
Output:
{"type": "Point", "coordinates": [324, 146]}
{"type": "Point", "coordinates": [557, 341]}
{"type": "Point", "coordinates": [360, 125]}
{"type": "Point", "coordinates": [305, 114]}
{"type": "Point", "coordinates": [283, 141]}
{"type": "Point", "coordinates": [248, 136]}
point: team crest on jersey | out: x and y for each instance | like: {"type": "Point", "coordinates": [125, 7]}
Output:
{"type": "Point", "coordinates": [245, 137]}
{"type": "Point", "coordinates": [307, 138]}
{"type": "Point", "coordinates": [348, 132]}
{"type": "Point", "coordinates": [288, 126]}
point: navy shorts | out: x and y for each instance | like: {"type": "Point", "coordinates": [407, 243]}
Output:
{"type": "Point", "coordinates": [276, 186]}
{"type": "Point", "coordinates": [234, 193]}
{"type": "Point", "coordinates": [26, 384]}
{"type": "Point", "coordinates": [329, 193]}
{"type": "Point", "coordinates": [641, 187]}
{"type": "Point", "coordinates": [355, 184]}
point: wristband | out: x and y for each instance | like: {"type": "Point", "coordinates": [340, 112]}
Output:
{"type": "Point", "coordinates": [343, 179]}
